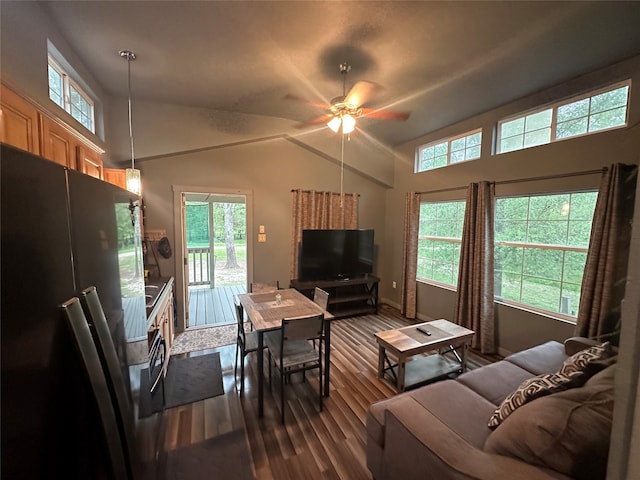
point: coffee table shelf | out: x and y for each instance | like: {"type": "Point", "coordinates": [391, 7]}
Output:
{"type": "Point", "coordinates": [422, 369]}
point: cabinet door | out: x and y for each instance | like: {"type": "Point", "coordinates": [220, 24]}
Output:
{"type": "Point", "coordinates": [57, 143]}
{"type": "Point", "coordinates": [18, 122]}
{"type": "Point", "coordinates": [89, 161]}
{"type": "Point", "coordinates": [117, 176]}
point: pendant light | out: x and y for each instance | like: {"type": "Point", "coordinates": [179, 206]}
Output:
{"type": "Point", "coordinates": [132, 174]}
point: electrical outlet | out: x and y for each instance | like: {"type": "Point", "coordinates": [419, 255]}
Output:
{"type": "Point", "coordinates": [393, 284]}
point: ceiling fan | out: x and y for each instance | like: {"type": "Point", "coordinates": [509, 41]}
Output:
{"type": "Point", "coordinates": [343, 110]}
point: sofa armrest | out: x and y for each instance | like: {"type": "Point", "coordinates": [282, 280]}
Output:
{"type": "Point", "coordinates": [573, 345]}
{"type": "Point", "coordinates": [418, 445]}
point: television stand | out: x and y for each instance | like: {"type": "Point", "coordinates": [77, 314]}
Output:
{"type": "Point", "coordinates": [347, 296]}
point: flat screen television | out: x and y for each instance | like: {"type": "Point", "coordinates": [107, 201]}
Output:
{"type": "Point", "coordinates": [335, 254]}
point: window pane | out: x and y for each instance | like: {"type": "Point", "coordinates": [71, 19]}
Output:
{"type": "Point", "coordinates": [573, 110]}
{"type": "Point", "coordinates": [574, 263]}
{"type": "Point", "coordinates": [457, 156]}
{"type": "Point", "coordinates": [457, 144]}
{"type": "Point", "coordinates": [511, 143]}
{"type": "Point", "coordinates": [440, 161]}
{"type": "Point", "coordinates": [474, 140]}
{"type": "Point", "coordinates": [571, 128]}
{"type": "Point", "coordinates": [438, 260]}
{"type": "Point", "coordinates": [538, 120]}
{"type": "Point", "coordinates": [55, 86]}
{"type": "Point", "coordinates": [608, 119]}
{"type": "Point", "coordinates": [514, 127]}
{"type": "Point", "coordinates": [609, 100]}
{"type": "Point", "coordinates": [541, 294]}
{"type": "Point", "coordinates": [473, 152]}
{"type": "Point", "coordinates": [537, 137]}
{"type": "Point", "coordinates": [543, 264]}
{"type": "Point", "coordinates": [442, 148]}
{"type": "Point", "coordinates": [545, 278]}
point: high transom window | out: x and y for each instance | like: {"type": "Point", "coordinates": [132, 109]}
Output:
{"type": "Point", "coordinates": [541, 245]}
{"type": "Point", "coordinates": [449, 151]}
{"type": "Point", "coordinates": [439, 239]}
{"type": "Point", "coordinates": [68, 95]}
{"type": "Point", "coordinates": [591, 113]}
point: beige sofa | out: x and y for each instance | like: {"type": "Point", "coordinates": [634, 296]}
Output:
{"type": "Point", "coordinates": [440, 431]}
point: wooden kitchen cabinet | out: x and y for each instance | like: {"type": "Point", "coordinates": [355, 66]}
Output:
{"type": "Point", "coordinates": [18, 121]}
{"type": "Point", "coordinates": [25, 125]}
{"type": "Point", "coordinates": [117, 176]}
{"type": "Point", "coordinates": [57, 143]}
{"type": "Point", "coordinates": [162, 317]}
{"type": "Point", "coordinates": [89, 162]}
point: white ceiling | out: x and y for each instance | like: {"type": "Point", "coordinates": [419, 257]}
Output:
{"type": "Point", "coordinates": [443, 61]}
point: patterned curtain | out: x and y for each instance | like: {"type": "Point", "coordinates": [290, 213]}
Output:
{"type": "Point", "coordinates": [475, 303]}
{"type": "Point", "coordinates": [410, 254]}
{"type": "Point", "coordinates": [319, 210]}
{"type": "Point", "coordinates": [605, 272]}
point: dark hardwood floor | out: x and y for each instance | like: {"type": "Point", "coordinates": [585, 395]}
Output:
{"type": "Point", "coordinates": [312, 444]}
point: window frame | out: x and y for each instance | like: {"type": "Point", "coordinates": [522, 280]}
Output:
{"type": "Point", "coordinates": [67, 84]}
{"type": "Point", "coordinates": [535, 246]}
{"type": "Point", "coordinates": [448, 141]}
{"type": "Point", "coordinates": [554, 116]}
{"type": "Point", "coordinates": [452, 240]}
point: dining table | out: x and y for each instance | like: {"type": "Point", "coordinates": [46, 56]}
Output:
{"type": "Point", "coordinates": [265, 311]}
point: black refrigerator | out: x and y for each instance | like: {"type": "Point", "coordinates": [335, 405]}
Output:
{"type": "Point", "coordinates": [62, 231]}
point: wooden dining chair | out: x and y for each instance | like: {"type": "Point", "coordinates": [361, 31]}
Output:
{"type": "Point", "coordinates": [265, 287]}
{"type": "Point", "coordinates": [321, 298]}
{"type": "Point", "coordinates": [246, 343]}
{"type": "Point", "coordinates": [291, 351]}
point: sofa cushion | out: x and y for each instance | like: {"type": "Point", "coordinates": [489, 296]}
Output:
{"type": "Point", "coordinates": [568, 431]}
{"type": "Point", "coordinates": [533, 388]}
{"type": "Point", "coordinates": [582, 360]}
{"type": "Point", "coordinates": [457, 406]}
{"type": "Point", "coordinates": [495, 381]}
{"type": "Point", "coordinates": [545, 358]}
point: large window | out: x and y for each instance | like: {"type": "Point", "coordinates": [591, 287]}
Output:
{"type": "Point", "coordinates": [439, 239]}
{"type": "Point", "coordinates": [541, 249]}
{"type": "Point", "coordinates": [601, 110]}
{"type": "Point", "coordinates": [449, 151]}
{"type": "Point", "coordinates": [68, 95]}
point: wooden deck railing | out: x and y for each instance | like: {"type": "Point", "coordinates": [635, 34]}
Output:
{"type": "Point", "coordinates": [201, 266]}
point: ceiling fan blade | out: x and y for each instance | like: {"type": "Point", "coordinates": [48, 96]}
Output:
{"type": "Point", "coordinates": [315, 121]}
{"type": "Point", "coordinates": [385, 114]}
{"type": "Point", "coordinates": [296, 98]}
{"type": "Point", "coordinates": [361, 92]}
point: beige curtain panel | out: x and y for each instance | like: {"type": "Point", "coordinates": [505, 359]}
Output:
{"type": "Point", "coordinates": [410, 254]}
{"type": "Point", "coordinates": [605, 273]}
{"type": "Point", "coordinates": [312, 210]}
{"type": "Point", "coordinates": [475, 304]}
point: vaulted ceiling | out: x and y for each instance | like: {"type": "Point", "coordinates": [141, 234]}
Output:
{"type": "Point", "coordinates": [442, 61]}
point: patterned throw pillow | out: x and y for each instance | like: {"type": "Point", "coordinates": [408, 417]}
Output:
{"type": "Point", "coordinates": [531, 389]}
{"type": "Point", "coordinates": [580, 361]}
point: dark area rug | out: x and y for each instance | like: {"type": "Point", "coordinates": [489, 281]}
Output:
{"type": "Point", "coordinates": [188, 380]}
{"type": "Point", "coordinates": [224, 456]}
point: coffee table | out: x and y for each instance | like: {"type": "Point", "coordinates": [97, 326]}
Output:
{"type": "Point", "coordinates": [407, 345]}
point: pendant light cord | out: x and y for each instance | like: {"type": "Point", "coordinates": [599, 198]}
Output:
{"type": "Point", "coordinates": [130, 119]}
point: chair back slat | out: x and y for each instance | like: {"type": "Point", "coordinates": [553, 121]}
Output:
{"type": "Point", "coordinates": [306, 328]}
{"type": "Point", "coordinates": [239, 319]}
{"type": "Point", "coordinates": [321, 298]}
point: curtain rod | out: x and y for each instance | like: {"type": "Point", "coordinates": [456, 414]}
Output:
{"type": "Point", "coordinates": [319, 191]}
{"type": "Point", "coordinates": [522, 180]}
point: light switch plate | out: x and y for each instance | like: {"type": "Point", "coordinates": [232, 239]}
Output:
{"type": "Point", "coordinates": [262, 237]}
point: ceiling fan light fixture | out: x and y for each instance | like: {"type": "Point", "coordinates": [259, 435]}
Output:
{"type": "Point", "coordinates": [348, 124]}
{"type": "Point", "coordinates": [334, 124]}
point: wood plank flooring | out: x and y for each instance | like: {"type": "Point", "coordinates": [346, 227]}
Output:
{"type": "Point", "coordinates": [312, 444]}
